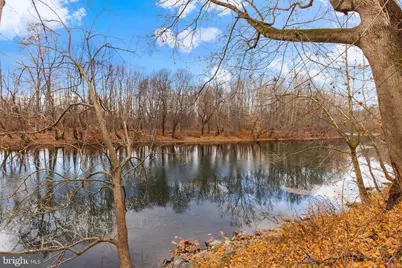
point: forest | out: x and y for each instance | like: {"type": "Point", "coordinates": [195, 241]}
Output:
{"type": "Point", "coordinates": [41, 97]}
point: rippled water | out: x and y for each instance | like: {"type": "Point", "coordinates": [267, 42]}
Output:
{"type": "Point", "coordinates": [193, 192]}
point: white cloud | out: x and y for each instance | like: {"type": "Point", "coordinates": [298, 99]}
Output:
{"type": "Point", "coordinates": [287, 68]}
{"type": "Point", "coordinates": [187, 40]}
{"type": "Point", "coordinates": [324, 2]}
{"type": "Point", "coordinates": [316, 76]}
{"type": "Point", "coordinates": [18, 14]}
{"type": "Point", "coordinates": [225, 11]}
{"type": "Point", "coordinates": [279, 65]}
{"type": "Point", "coordinates": [222, 77]}
{"type": "Point", "coordinates": [333, 59]}
{"type": "Point", "coordinates": [355, 55]}
{"type": "Point", "coordinates": [180, 5]}
{"type": "Point", "coordinates": [336, 56]}
{"type": "Point", "coordinates": [79, 14]}
{"type": "Point", "coordinates": [190, 5]}
{"type": "Point", "coordinates": [349, 20]}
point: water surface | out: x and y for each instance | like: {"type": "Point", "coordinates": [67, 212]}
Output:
{"type": "Point", "coordinates": [194, 192]}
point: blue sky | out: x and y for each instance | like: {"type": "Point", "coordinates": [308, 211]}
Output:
{"type": "Point", "coordinates": [131, 23]}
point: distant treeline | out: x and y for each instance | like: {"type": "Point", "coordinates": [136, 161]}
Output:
{"type": "Point", "coordinates": [45, 98]}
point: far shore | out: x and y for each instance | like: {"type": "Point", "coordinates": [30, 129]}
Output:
{"type": "Point", "coordinates": [42, 140]}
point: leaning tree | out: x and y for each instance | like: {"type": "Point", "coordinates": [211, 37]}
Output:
{"type": "Point", "coordinates": [377, 35]}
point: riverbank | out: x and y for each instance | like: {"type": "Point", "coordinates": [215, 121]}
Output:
{"type": "Point", "coordinates": [363, 236]}
{"type": "Point", "coordinates": [17, 142]}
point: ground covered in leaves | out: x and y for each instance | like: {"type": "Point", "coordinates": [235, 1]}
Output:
{"type": "Point", "coordinates": [363, 236]}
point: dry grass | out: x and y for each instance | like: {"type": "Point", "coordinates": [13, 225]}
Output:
{"type": "Point", "coordinates": [364, 236]}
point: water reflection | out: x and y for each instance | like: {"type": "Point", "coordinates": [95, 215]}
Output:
{"type": "Point", "coordinates": [188, 191]}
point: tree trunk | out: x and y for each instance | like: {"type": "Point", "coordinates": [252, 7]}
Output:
{"type": "Point", "coordinates": [359, 178]}
{"type": "Point", "coordinates": [57, 134]}
{"type": "Point", "coordinates": [122, 233]}
{"type": "Point", "coordinates": [163, 123]}
{"type": "Point", "coordinates": [383, 48]}
{"type": "Point", "coordinates": [116, 168]}
{"type": "Point", "coordinates": [377, 187]}
{"type": "Point", "coordinates": [174, 127]}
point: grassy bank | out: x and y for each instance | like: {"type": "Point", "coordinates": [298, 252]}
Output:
{"type": "Point", "coordinates": [363, 236]}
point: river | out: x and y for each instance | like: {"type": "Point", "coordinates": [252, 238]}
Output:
{"type": "Point", "coordinates": [192, 192]}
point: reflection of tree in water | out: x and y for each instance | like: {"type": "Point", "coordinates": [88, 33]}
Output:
{"type": "Point", "coordinates": [39, 228]}
{"type": "Point", "coordinates": [242, 195]}
{"type": "Point", "coordinates": [49, 213]}
{"type": "Point", "coordinates": [248, 198]}
{"type": "Point", "coordinates": [244, 181]}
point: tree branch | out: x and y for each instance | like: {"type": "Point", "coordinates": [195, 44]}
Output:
{"type": "Point", "coordinates": [93, 241]}
{"type": "Point", "coordinates": [323, 35]}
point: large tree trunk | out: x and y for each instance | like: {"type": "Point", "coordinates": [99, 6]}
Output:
{"type": "Point", "coordinates": [382, 45]}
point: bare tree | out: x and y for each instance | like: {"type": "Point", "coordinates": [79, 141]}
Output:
{"type": "Point", "coordinates": [208, 104]}
{"type": "Point", "coordinates": [160, 82]}
{"type": "Point", "coordinates": [180, 97]}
